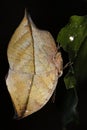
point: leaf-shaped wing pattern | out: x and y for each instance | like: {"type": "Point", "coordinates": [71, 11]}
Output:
{"type": "Point", "coordinates": [34, 67]}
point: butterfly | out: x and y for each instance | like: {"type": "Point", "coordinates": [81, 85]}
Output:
{"type": "Point", "coordinates": [35, 65]}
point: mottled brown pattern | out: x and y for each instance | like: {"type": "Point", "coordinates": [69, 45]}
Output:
{"type": "Point", "coordinates": [34, 68]}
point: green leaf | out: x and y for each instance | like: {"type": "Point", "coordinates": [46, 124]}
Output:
{"type": "Point", "coordinates": [73, 39]}
{"type": "Point", "coordinates": [69, 79]}
{"type": "Point", "coordinates": [80, 63]}
{"type": "Point", "coordinates": [72, 35]}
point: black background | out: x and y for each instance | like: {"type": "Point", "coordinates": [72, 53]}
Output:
{"type": "Point", "coordinates": [51, 16]}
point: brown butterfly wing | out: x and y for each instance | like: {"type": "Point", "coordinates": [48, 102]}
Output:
{"type": "Point", "coordinates": [21, 61]}
{"type": "Point", "coordinates": [34, 70]}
